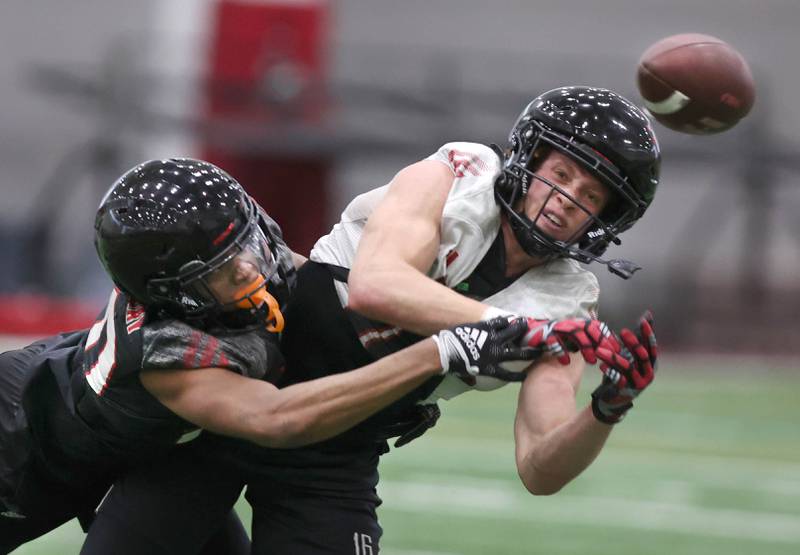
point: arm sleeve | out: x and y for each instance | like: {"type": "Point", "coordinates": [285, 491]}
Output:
{"type": "Point", "coordinates": [171, 344]}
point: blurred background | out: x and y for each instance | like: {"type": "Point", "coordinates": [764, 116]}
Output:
{"type": "Point", "coordinates": [310, 102]}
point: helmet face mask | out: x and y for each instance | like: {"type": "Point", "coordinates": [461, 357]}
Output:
{"type": "Point", "coordinates": [207, 288]}
{"type": "Point", "coordinates": [171, 235]}
{"type": "Point", "coordinates": [609, 138]}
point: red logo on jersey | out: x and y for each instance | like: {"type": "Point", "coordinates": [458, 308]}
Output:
{"type": "Point", "coordinates": [134, 316]}
{"type": "Point", "coordinates": [451, 257]}
{"type": "Point", "coordinates": [464, 162]}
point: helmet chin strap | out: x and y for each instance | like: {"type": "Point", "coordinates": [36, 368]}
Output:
{"type": "Point", "coordinates": [617, 266]}
{"type": "Point", "coordinates": [523, 227]}
{"type": "Point", "coordinates": [530, 243]}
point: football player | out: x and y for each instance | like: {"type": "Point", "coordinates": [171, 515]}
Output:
{"type": "Point", "coordinates": [470, 233]}
{"type": "Point", "coordinates": [186, 342]}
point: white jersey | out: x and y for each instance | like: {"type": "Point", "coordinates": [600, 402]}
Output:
{"type": "Point", "coordinates": [470, 222]}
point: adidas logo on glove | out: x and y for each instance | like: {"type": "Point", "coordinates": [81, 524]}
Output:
{"type": "Point", "coordinates": [472, 338]}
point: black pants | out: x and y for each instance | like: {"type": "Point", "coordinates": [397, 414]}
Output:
{"type": "Point", "coordinates": [32, 500]}
{"type": "Point", "coordinates": [31, 503]}
{"type": "Point", "coordinates": [183, 506]}
{"type": "Point", "coordinates": [317, 501]}
{"type": "Point", "coordinates": [311, 522]}
{"type": "Point", "coordinates": [58, 510]}
{"type": "Point", "coordinates": [180, 505]}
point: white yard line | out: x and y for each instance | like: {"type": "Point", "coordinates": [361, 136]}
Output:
{"type": "Point", "coordinates": [389, 551]}
{"type": "Point", "coordinates": [508, 503]}
{"type": "Point", "coordinates": [622, 452]}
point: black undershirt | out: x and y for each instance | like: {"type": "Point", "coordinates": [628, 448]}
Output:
{"type": "Point", "coordinates": [489, 275]}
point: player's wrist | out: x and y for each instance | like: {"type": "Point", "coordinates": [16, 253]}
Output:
{"type": "Point", "coordinates": [442, 352]}
{"type": "Point", "coordinates": [607, 405]}
{"type": "Point", "coordinates": [603, 415]}
{"type": "Point", "coordinates": [426, 352]}
{"type": "Point", "coordinates": [494, 312]}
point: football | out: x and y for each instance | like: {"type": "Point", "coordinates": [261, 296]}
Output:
{"type": "Point", "coordinates": [695, 83]}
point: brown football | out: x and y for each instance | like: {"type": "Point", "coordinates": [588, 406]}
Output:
{"type": "Point", "coordinates": [695, 83]}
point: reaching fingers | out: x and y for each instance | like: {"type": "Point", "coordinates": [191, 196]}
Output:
{"type": "Point", "coordinates": [586, 341]}
{"type": "Point", "coordinates": [612, 366]}
{"type": "Point", "coordinates": [579, 341]}
{"type": "Point", "coordinates": [587, 336]}
{"type": "Point", "coordinates": [573, 336]}
{"type": "Point", "coordinates": [611, 342]}
{"type": "Point", "coordinates": [598, 331]}
{"type": "Point", "coordinates": [642, 372]}
{"type": "Point", "coordinates": [556, 348]}
{"type": "Point", "coordinates": [648, 317]}
{"type": "Point", "coordinates": [510, 330]}
{"type": "Point", "coordinates": [648, 337]}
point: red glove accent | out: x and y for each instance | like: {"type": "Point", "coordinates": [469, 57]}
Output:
{"type": "Point", "coordinates": [559, 337]}
{"type": "Point", "coordinates": [625, 373]}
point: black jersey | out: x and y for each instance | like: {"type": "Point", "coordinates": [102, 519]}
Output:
{"type": "Point", "coordinates": [86, 408]}
{"type": "Point", "coordinates": [322, 338]}
{"type": "Point", "coordinates": [108, 394]}
{"type": "Point", "coordinates": [405, 417]}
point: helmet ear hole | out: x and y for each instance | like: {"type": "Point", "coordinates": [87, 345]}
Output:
{"type": "Point", "coordinates": [504, 186]}
{"type": "Point", "coordinates": [160, 289]}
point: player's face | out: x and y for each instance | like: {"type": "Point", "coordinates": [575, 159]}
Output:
{"type": "Point", "coordinates": [242, 281]}
{"type": "Point", "coordinates": [230, 281]}
{"type": "Point", "coordinates": [555, 214]}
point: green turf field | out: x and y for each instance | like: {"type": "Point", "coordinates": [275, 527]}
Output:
{"type": "Point", "coordinates": [707, 463]}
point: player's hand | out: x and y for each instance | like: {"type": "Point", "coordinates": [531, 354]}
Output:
{"type": "Point", "coordinates": [560, 337]}
{"type": "Point", "coordinates": [469, 350]}
{"type": "Point", "coordinates": [627, 373]}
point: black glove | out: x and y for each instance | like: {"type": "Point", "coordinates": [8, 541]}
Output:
{"type": "Point", "coordinates": [469, 350]}
{"type": "Point", "coordinates": [627, 374]}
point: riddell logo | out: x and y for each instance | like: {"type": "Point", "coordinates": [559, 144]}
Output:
{"type": "Point", "coordinates": [473, 339]}
{"type": "Point", "coordinates": [188, 301]}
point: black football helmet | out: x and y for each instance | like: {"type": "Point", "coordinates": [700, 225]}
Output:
{"type": "Point", "coordinates": [166, 226]}
{"type": "Point", "coordinates": [610, 137]}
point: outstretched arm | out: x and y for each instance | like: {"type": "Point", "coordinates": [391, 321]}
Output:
{"type": "Point", "coordinates": [554, 441]}
{"type": "Point", "coordinates": [227, 403]}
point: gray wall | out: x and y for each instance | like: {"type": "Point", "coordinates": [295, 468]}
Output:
{"type": "Point", "coordinates": [408, 76]}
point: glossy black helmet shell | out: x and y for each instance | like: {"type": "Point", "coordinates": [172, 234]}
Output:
{"type": "Point", "coordinates": [610, 125]}
{"type": "Point", "coordinates": [608, 135]}
{"type": "Point", "coordinates": [165, 224]}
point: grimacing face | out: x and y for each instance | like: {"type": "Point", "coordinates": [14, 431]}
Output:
{"type": "Point", "coordinates": [555, 214]}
